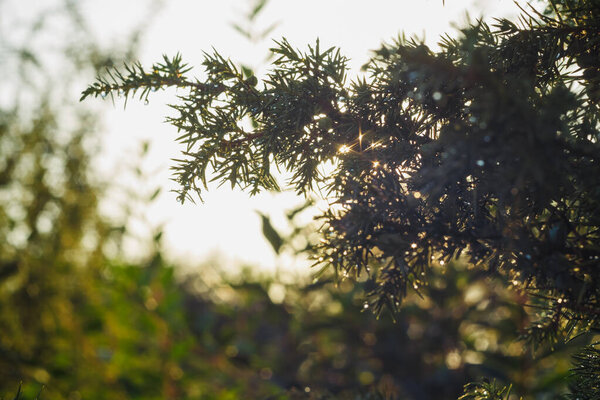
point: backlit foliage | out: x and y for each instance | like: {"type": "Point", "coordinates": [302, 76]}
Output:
{"type": "Point", "coordinates": [485, 151]}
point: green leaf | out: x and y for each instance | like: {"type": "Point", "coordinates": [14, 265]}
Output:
{"type": "Point", "coordinates": [269, 232]}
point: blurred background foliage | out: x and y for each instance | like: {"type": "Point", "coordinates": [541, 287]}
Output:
{"type": "Point", "coordinates": [79, 320]}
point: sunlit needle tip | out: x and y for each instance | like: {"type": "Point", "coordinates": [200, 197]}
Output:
{"type": "Point", "coordinates": [344, 149]}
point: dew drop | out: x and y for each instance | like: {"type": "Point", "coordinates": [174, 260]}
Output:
{"type": "Point", "coordinates": [437, 96]}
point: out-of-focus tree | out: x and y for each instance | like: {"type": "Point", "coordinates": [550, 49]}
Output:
{"type": "Point", "coordinates": [52, 237]}
{"type": "Point", "coordinates": [486, 151]}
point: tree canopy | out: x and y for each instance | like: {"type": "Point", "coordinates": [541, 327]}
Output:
{"type": "Point", "coordinates": [485, 150]}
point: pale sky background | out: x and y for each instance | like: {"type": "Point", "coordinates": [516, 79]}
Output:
{"type": "Point", "coordinates": [227, 223]}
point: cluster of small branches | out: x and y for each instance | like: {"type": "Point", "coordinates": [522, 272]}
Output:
{"type": "Point", "coordinates": [137, 81]}
{"type": "Point", "coordinates": [486, 150]}
{"type": "Point", "coordinates": [237, 129]}
{"type": "Point", "coordinates": [585, 382]}
{"type": "Point", "coordinates": [485, 390]}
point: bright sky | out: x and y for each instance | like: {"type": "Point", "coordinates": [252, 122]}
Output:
{"type": "Point", "coordinates": [226, 223]}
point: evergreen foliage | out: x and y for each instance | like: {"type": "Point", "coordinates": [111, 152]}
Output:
{"type": "Point", "coordinates": [485, 391]}
{"type": "Point", "coordinates": [485, 151]}
{"type": "Point", "coordinates": [585, 384]}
